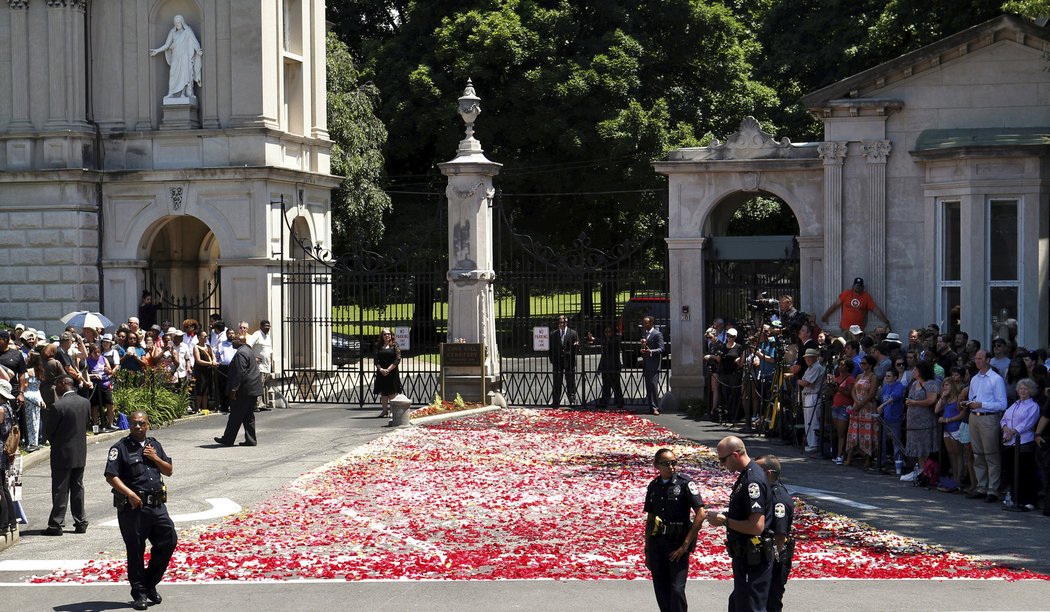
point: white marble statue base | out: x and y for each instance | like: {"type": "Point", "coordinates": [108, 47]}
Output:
{"type": "Point", "coordinates": [180, 114]}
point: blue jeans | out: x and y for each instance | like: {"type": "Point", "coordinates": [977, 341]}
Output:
{"type": "Point", "coordinates": [885, 442]}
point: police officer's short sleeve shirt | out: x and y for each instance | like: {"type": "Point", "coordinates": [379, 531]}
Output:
{"type": "Point", "coordinates": [783, 510]}
{"type": "Point", "coordinates": [750, 494]}
{"type": "Point", "coordinates": [126, 462]}
{"type": "Point", "coordinates": [671, 501]}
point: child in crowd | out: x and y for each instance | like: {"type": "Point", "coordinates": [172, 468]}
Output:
{"type": "Point", "coordinates": [892, 412]}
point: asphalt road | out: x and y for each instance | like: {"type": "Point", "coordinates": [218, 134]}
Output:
{"type": "Point", "coordinates": [304, 438]}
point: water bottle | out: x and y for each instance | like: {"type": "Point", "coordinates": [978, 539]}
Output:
{"type": "Point", "coordinates": [94, 428]}
{"type": "Point", "coordinates": [899, 465]}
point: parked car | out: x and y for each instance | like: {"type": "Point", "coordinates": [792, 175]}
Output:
{"type": "Point", "coordinates": [656, 305]}
{"type": "Point", "coordinates": [346, 349]}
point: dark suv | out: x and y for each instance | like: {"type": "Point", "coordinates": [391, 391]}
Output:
{"type": "Point", "coordinates": [656, 305]}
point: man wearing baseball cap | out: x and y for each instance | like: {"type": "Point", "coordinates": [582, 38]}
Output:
{"type": "Point", "coordinates": [855, 303]}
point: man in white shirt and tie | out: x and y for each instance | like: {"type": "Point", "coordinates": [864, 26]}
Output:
{"type": "Point", "coordinates": [987, 402]}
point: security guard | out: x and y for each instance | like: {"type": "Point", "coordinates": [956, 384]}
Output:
{"type": "Point", "coordinates": [134, 470]}
{"type": "Point", "coordinates": [669, 534]}
{"type": "Point", "coordinates": [783, 514]}
{"type": "Point", "coordinates": [747, 521]}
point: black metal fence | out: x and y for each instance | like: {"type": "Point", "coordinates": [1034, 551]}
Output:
{"type": "Point", "coordinates": [335, 308]}
{"type": "Point", "coordinates": [178, 308]}
{"type": "Point", "coordinates": [594, 289]}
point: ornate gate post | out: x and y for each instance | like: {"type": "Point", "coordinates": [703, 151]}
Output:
{"type": "Point", "coordinates": [471, 314]}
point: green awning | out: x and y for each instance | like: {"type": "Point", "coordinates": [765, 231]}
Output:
{"type": "Point", "coordinates": [938, 140]}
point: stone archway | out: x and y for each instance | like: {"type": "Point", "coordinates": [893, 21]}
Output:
{"type": "Point", "coordinates": [183, 254]}
{"type": "Point", "coordinates": [701, 181]}
{"type": "Point", "coordinates": [746, 258]}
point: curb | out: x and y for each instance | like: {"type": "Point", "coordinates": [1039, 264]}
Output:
{"type": "Point", "coordinates": [437, 418]}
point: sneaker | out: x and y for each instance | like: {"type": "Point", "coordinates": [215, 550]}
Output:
{"type": "Point", "coordinates": [839, 460]}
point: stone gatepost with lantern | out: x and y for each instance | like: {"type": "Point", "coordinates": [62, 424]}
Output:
{"type": "Point", "coordinates": [471, 306]}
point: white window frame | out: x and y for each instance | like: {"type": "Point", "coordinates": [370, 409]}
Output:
{"type": "Point", "coordinates": [1018, 282]}
{"type": "Point", "coordinates": [942, 283]}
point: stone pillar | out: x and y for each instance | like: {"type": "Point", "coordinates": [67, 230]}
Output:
{"type": "Point", "coordinates": [689, 314]}
{"type": "Point", "coordinates": [833, 154]}
{"type": "Point", "coordinates": [19, 50]}
{"type": "Point", "coordinates": [875, 153]}
{"type": "Point", "coordinates": [471, 307]}
{"type": "Point", "coordinates": [58, 44]}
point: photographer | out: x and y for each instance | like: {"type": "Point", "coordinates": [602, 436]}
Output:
{"type": "Point", "coordinates": [715, 349]}
{"type": "Point", "coordinates": [761, 361]}
{"type": "Point", "coordinates": [729, 373]}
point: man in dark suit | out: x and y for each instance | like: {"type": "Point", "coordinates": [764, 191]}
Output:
{"type": "Point", "coordinates": [244, 386]}
{"type": "Point", "coordinates": [66, 427]}
{"type": "Point", "coordinates": [652, 355]}
{"type": "Point", "coordinates": [564, 344]}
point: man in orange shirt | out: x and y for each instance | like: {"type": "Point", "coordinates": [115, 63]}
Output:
{"type": "Point", "coordinates": [855, 303]}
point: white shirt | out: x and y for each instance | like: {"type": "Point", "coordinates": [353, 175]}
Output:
{"type": "Point", "coordinates": [988, 389]}
{"type": "Point", "coordinates": [225, 352]}
{"type": "Point", "coordinates": [262, 346]}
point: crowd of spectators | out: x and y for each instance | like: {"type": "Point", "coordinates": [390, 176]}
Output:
{"type": "Point", "coordinates": [934, 408]}
{"type": "Point", "coordinates": [192, 359]}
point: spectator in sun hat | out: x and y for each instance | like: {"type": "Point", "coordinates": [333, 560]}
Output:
{"type": "Point", "coordinates": [855, 303]}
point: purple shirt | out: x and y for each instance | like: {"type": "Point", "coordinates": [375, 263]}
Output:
{"type": "Point", "coordinates": [1021, 417]}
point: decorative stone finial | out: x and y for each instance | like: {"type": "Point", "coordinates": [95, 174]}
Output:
{"type": "Point", "coordinates": [469, 109]}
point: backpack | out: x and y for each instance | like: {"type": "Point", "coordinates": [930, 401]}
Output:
{"type": "Point", "coordinates": [929, 475]}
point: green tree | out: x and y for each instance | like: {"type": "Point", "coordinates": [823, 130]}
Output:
{"type": "Point", "coordinates": [809, 44]}
{"type": "Point", "coordinates": [578, 98]}
{"type": "Point", "coordinates": [358, 136]}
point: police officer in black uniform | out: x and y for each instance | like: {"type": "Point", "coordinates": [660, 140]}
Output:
{"type": "Point", "coordinates": [747, 521]}
{"type": "Point", "coordinates": [670, 535]}
{"type": "Point", "coordinates": [783, 514]}
{"type": "Point", "coordinates": [134, 470]}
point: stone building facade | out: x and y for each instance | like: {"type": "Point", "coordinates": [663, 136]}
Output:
{"type": "Point", "coordinates": [106, 185]}
{"type": "Point", "coordinates": [932, 182]}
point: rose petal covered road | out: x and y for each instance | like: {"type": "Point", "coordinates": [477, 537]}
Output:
{"type": "Point", "coordinates": [510, 494]}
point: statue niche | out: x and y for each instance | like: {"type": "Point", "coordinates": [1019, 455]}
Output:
{"type": "Point", "coordinates": [183, 53]}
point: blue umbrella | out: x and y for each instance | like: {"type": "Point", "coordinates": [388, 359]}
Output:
{"type": "Point", "coordinates": [84, 318]}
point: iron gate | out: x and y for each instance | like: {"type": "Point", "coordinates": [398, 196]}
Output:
{"type": "Point", "coordinates": [535, 284]}
{"type": "Point", "coordinates": [177, 309]}
{"type": "Point", "coordinates": [335, 306]}
{"type": "Point", "coordinates": [748, 268]}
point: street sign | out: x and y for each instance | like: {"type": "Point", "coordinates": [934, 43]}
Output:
{"type": "Point", "coordinates": [541, 339]}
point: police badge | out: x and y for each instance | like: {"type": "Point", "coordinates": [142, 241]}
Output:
{"type": "Point", "coordinates": [753, 491]}
{"type": "Point", "coordinates": [779, 511]}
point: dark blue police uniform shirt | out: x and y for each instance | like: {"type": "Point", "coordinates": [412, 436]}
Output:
{"type": "Point", "coordinates": [750, 494]}
{"type": "Point", "coordinates": [671, 501]}
{"type": "Point", "coordinates": [783, 510]}
{"type": "Point", "coordinates": [126, 462]}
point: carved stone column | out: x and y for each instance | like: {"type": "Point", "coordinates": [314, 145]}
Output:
{"type": "Point", "coordinates": [471, 307]}
{"type": "Point", "coordinates": [833, 154]}
{"type": "Point", "coordinates": [19, 50]}
{"type": "Point", "coordinates": [875, 153]}
{"type": "Point", "coordinates": [58, 49]}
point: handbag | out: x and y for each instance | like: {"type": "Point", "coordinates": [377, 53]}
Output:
{"type": "Point", "coordinates": [11, 443]}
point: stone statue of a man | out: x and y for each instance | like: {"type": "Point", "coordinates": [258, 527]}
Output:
{"type": "Point", "coordinates": [183, 52]}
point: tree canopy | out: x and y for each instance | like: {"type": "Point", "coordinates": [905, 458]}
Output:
{"type": "Point", "coordinates": [358, 138]}
{"type": "Point", "coordinates": [578, 97]}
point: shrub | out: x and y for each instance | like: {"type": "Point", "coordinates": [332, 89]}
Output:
{"type": "Point", "coordinates": [148, 391]}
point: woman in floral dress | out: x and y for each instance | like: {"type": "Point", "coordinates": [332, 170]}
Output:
{"type": "Point", "coordinates": [863, 434]}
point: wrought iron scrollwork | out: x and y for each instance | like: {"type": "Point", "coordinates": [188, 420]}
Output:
{"type": "Point", "coordinates": [580, 255]}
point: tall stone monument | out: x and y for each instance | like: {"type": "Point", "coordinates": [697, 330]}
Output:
{"type": "Point", "coordinates": [471, 314]}
{"type": "Point", "coordinates": [182, 51]}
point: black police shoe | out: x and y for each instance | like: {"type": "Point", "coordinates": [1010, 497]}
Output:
{"type": "Point", "coordinates": [154, 597]}
{"type": "Point", "coordinates": [141, 603]}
